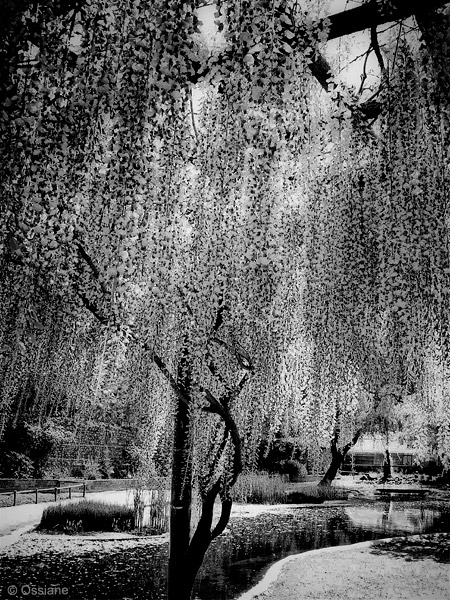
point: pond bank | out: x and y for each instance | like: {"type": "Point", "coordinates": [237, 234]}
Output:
{"type": "Point", "coordinates": [412, 568]}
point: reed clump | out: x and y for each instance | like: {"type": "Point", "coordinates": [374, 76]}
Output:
{"type": "Point", "coordinates": [87, 515]}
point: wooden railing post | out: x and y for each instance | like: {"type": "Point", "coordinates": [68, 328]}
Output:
{"type": "Point", "coordinates": [36, 501]}
{"type": "Point", "coordinates": [56, 493]}
{"type": "Point", "coordinates": [14, 498]}
{"type": "Point", "coordinates": [84, 490]}
{"type": "Point", "coordinates": [70, 493]}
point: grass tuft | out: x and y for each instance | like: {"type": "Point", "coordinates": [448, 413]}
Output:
{"type": "Point", "coordinates": [87, 515]}
{"type": "Point", "coordinates": [262, 488]}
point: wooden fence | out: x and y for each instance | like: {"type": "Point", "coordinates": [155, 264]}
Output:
{"type": "Point", "coordinates": [56, 491]}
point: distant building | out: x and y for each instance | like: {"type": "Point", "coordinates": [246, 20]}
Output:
{"type": "Point", "coordinates": [369, 452]}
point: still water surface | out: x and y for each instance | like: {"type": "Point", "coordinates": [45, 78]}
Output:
{"type": "Point", "coordinates": [241, 556]}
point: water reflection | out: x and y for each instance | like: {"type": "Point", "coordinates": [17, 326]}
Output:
{"type": "Point", "coordinates": [394, 517]}
{"type": "Point", "coordinates": [238, 559]}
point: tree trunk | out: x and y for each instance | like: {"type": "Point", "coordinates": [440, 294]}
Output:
{"type": "Point", "coordinates": [332, 470]}
{"type": "Point", "coordinates": [386, 466]}
{"type": "Point", "coordinates": [185, 553]}
{"type": "Point", "coordinates": [337, 457]}
{"type": "Point", "coordinates": [180, 509]}
{"type": "Point", "coordinates": [178, 587]}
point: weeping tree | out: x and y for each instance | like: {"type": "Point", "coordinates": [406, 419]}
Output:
{"type": "Point", "coordinates": [377, 248]}
{"type": "Point", "coordinates": [156, 239]}
{"type": "Point", "coordinates": [142, 228]}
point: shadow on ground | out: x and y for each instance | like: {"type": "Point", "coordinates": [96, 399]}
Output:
{"type": "Point", "coordinates": [436, 547]}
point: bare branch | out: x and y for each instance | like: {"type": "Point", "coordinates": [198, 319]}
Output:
{"type": "Point", "coordinates": [92, 308]}
{"type": "Point", "coordinates": [219, 316]}
{"type": "Point", "coordinates": [194, 126]}
{"type": "Point", "coordinates": [364, 73]}
{"type": "Point", "coordinates": [95, 271]}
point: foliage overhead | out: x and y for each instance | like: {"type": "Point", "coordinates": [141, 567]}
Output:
{"type": "Point", "coordinates": [158, 198]}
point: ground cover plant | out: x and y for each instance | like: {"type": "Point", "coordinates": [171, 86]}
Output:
{"type": "Point", "coordinates": [87, 515]}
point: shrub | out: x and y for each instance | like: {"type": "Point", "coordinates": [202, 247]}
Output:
{"type": "Point", "coordinates": [293, 468]}
{"type": "Point", "coordinates": [87, 515]}
{"type": "Point", "coordinates": [55, 471]}
{"type": "Point", "coordinates": [16, 465]}
{"type": "Point", "coordinates": [26, 448]}
{"type": "Point", "coordinates": [92, 469]}
{"type": "Point", "coordinates": [89, 469]}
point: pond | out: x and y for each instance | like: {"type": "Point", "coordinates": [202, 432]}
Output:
{"type": "Point", "coordinates": [241, 557]}
{"type": "Point", "coordinates": [136, 569]}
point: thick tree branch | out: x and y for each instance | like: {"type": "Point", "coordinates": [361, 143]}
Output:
{"type": "Point", "coordinates": [376, 48]}
{"type": "Point", "coordinates": [334, 443]}
{"type": "Point", "coordinates": [227, 504]}
{"type": "Point", "coordinates": [367, 16]}
{"type": "Point", "coordinates": [219, 316]}
{"type": "Point", "coordinates": [202, 536]}
{"type": "Point", "coordinates": [217, 407]}
{"type": "Point", "coordinates": [372, 14]}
